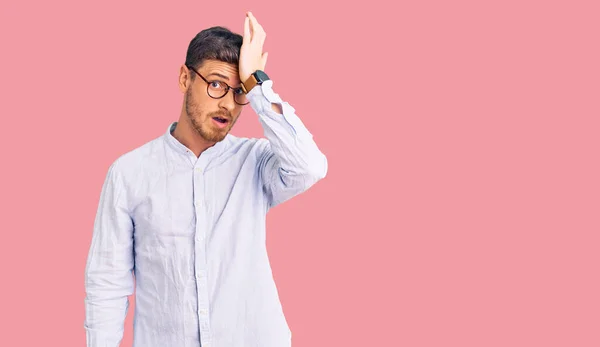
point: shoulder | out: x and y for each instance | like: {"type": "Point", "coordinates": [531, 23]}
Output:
{"type": "Point", "coordinates": [129, 164]}
{"type": "Point", "coordinates": [235, 143]}
{"type": "Point", "coordinates": [240, 151]}
{"type": "Point", "coordinates": [246, 146]}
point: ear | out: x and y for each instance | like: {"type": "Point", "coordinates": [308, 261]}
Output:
{"type": "Point", "coordinates": [184, 78]}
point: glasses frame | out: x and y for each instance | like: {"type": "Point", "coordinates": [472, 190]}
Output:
{"type": "Point", "coordinates": [227, 87]}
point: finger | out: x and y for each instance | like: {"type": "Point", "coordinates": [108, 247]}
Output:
{"type": "Point", "coordinates": [264, 58]}
{"type": "Point", "coordinates": [252, 18]}
{"type": "Point", "coordinates": [257, 29]}
{"type": "Point", "coordinates": [246, 29]}
{"type": "Point", "coordinates": [251, 24]}
{"type": "Point", "coordinates": [263, 37]}
{"type": "Point", "coordinates": [259, 35]}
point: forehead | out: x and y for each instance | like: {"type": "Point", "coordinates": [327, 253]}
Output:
{"type": "Point", "coordinates": [221, 68]}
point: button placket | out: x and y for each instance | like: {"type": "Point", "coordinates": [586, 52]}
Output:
{"type": "Point", "coordinates": [200, 253]}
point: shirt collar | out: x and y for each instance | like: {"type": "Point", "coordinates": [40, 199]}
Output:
{"type": "Point", "coordinates": [216, 149]}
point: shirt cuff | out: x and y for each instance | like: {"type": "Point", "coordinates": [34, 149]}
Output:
{"type": "Point", "coordinates": [262, 96]}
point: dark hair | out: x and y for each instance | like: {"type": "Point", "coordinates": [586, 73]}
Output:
{"type": "Point", "coordinates": [215, 43]}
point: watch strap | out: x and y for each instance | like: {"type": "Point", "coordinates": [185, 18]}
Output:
{"type": "Point", "coordinates": [249, 84]}
{"type": "Point", "coordinates": [257, 77]}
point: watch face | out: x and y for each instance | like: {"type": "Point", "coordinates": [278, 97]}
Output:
{"type": "Point", "coordinates": [261, 76]}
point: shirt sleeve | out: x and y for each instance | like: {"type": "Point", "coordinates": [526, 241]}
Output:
{"type": "Point", "coordinates": [108, 273]}
{"type": "Point", "coordinates": [291, 161]}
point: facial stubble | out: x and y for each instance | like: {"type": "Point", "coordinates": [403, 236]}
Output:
{"type": "Point", "coordinates": [202, 125]}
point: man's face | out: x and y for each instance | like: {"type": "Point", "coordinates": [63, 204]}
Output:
{"type": "Point", "coordinates": [213, 118]}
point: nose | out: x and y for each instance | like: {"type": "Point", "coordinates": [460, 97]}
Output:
{"type": "Point", "coordinates": [227, 102]}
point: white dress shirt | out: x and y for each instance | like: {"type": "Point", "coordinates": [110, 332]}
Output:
{"type": "Point", "coordinates": [192, 231]}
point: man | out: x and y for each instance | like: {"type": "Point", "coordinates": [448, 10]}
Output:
{"type": "Point", "coordinates": [185, 213]}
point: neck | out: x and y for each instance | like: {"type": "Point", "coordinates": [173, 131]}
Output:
{"type": "Point", "coordinates": [189, 137]}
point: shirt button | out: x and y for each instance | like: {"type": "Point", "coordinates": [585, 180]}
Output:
{"type": "Point", "coordinates": [198, 170]}
{"type": "Point", "coordinates": [203, 312]}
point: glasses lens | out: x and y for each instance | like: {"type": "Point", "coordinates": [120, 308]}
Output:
{"type": "Point", "coordinates": [240, 98]}
{"type": "Point", "coordinates": [216, 89]}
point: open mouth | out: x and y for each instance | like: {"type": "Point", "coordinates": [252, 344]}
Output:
{"type": "Point", "coordinates": [221, 122]}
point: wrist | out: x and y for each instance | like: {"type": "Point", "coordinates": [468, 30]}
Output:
{"type": "Point", "coordinates": [256, 78]}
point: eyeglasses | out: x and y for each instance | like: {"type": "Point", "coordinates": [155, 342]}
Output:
{"type": "Point", "coordinates": [217, 89]}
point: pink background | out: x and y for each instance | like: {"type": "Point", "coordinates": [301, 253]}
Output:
{"type": "Point", "coordinates": [462, 202]}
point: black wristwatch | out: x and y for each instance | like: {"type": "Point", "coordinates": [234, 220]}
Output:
{"type": "Point", "coordinates": [257, 78]}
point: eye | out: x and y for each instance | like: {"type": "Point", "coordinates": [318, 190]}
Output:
{"type": "Point", "coordinates": [239, 91]}
{"type": "Point", "coordinates": [216, 84]}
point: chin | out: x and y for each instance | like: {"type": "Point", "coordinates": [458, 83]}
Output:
{"type": "Point", "coordinates": [213, 136]}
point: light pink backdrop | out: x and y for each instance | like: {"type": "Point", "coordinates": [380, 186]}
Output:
{"type": "Point", "coordinates": [462, 202]}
